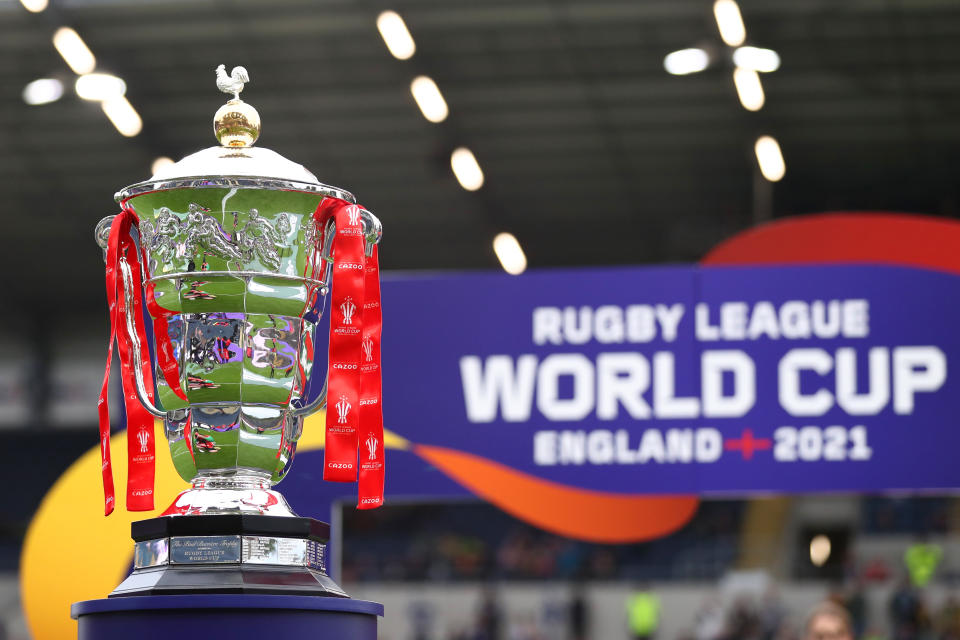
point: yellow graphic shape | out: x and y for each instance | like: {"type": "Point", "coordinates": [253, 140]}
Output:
{"type": "Point", "coordinates": [72, 552]}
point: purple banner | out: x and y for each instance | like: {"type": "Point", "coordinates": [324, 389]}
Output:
{"type": "Point", "coordinates": [667, 380]}
{"type": "Point", "coordinates": [683, 380]}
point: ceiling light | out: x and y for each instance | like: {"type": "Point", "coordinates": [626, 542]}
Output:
{"type": "Point", "coordinates": [465, 167]}
{"type": "Point", "coordinates": [685, 61]}
{"type": "Point", "coordinates": [749, 89]}
{"type": "Point", "coordinates": [160, 164]}
{"type": "Point", "coordinates": [819, 550]}
{"type": "Point", "coordinates": [100, 87]}
{"type": "Point", "coordinates": [394, 32]}
{"type": "Point", "coordinates": [74, 50]}
{"type": "Point", "coordinates": [427, 94]}
{"type": "Point", "coordinates": [123, 116]}
{"type": "Point", "coordinates": [730, 22]}
{"type": "Point", "coordinates": [770, 158]}
{"type": "Point", "coordinates": [34, 6]}
{"type": "Point", "coordinates": [757, 59]}
{"type": "Point", "coordinates": [510, 253]}
{"type": "Point", "coordinates": [43, 91]}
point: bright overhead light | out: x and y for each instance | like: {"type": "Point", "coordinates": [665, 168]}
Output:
{"type": "Point", "coordinates": [394, 32]}
{"type": "Point", "coordinates": [100, 87]}
{"type": "Point", "coordinates": [466, 168]}
{"type": "Point", "coordinates": [730, 22]}
{"type": "Point", "coordinates": [820, 550]}
{"type": "Point", "coordinates": [685, 61]}
{"type": "Point", "coordinates": [34, 6]}
{"type": "Point", "coordinates": [43, 91]}
{"type": "Point", "coordinates": [74, 50]}
{"type": "Point", "coordinates": [123, 116]}
{"type": "Point", "coordinates": [510, 253]}
{"type": "Point", "coordinates": [749, 89]}
{"type": "Point", "coordinates": [770, 158]}
{"type": "Point", "coordinates": [159, 164]}
{"type": "Point", "coordinates": [427, 94]}
{"type": "Point", "coordinates": [757, 59]}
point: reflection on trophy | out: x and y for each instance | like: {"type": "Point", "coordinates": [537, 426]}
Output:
{"type": "Point", "coordinates": [235, 268]}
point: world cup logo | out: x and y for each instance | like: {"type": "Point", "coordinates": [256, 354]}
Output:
{"type": "Point", "coordinates": [353, 214]}
{"type": "Point", "coordinates": [347, 308]}
{"type": "Point", "coordinates": [367, 345]}
{"type": "Point", "coordinates": [142, 438]}
{"type": "Point", "coordinates": [343, 409]}
{"type": "Point", "coordinates": [371, 443]}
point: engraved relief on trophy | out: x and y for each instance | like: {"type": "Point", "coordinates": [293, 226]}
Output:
{"type": "Point", "coordinates": [183, 242]}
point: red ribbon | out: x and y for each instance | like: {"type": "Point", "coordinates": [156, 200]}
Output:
{"type": "Point", "coordinates": [141, 445]}
{"type": "Point", "coordinates": [165, 357]}
{"type": "Point", "coordinates": [354, 423]}
{"type": "Point", "coordinates": [371, 387]}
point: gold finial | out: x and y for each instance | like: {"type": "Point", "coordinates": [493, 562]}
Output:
{"type": "Point", "coordinates": [236, 124]}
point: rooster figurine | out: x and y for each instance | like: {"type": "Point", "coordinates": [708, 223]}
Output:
{"type": "Point", "coordinates": [232, 83]}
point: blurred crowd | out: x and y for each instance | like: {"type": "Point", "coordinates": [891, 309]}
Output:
{"type": "Point", "coordinates": [911, 617]}
{"type": "Point", "coordinates": [770, 618]}
{"type": "Point", "coordinates": [474, 541]}
{"type": "Point", "coordinates": [908, 616]}
{"type": "Point", "coordinates": [478, 542]}
{"type": "Point", "coordinates": [843, 616]}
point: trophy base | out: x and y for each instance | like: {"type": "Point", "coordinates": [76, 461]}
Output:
{"type": "Point", "coordinates": [237, 617]}
{"type": "Point", "coordinates": [240, 553]}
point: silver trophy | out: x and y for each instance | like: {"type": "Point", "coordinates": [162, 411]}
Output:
{"type": "Point", "coordinates": [235, 281]}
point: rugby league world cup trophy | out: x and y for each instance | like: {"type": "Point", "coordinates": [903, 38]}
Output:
{"type": "Point", "coordinates": [233, 251]}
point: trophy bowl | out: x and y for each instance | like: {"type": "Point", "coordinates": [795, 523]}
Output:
{"type": "Point", "coordinates": [235, 271]}
{"type": "Point", "coordinates": [235, 281]}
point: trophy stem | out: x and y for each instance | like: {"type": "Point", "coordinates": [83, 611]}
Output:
{"type": "Point", "coordinates": [231, 494]}
{"type": "Point", "coordinates": [239, 481]}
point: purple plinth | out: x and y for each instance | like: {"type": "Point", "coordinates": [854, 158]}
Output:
{"type": "Point", "coordinates": [237, 617]}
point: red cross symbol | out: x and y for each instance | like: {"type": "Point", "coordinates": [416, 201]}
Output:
{"type": "Point", "coordinates": [747, 444]}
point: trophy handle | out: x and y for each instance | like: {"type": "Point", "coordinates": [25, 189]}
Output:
{"type": "Point", "coordinates": [372, 232]}
{"type": "Point", "coordinates": [139, 382]}
{"type": "Point", "coordinates": [314, 406]}
{"type": "Point", "coordinates": [101, 234]}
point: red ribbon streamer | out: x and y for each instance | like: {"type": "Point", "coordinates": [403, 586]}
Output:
{"type": "Point", "coordinates": [371, 413]}
{"type": "Point", "coordinates": [165, 357]}
{"type": "Point", "coordinates": [141, 444]}
{"type": "Point", "coordinates": [354, 412]}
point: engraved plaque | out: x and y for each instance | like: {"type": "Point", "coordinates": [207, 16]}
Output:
{"type": "Point", "coordinates": [268, 550]}
{"type": "Point", "coordinates": [291, 551]}
{"type": "Point", "coordinates": [151, 553]}
{"type": "Point", "coordinates": [259, 550]}
{"type": "Point", "coordinates": [204, 549]}
{"type": "Point", "coordinates": [316, 556]}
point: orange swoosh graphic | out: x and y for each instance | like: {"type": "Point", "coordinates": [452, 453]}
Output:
{"type": "Point", "coordinates": [595, 516]}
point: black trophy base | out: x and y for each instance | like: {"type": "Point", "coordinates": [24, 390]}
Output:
{"type": "Point", "coordinates": [229, 554]}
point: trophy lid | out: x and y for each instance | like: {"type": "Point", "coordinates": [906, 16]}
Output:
{"type": "Point", "coordinates": [236, 162]}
